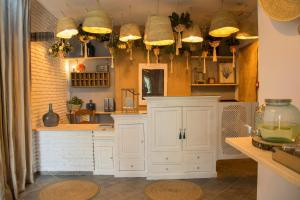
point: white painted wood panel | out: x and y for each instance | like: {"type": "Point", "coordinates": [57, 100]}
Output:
{"type": "Point", "coordinates": [197, 124]}
{"type": "Point", "coordinates": [104, 158]}
{"type": "Point", "coordinates": [64, 151]}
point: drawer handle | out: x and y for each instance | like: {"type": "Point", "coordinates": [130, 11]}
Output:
{"type": "Point", "coordinates": [198, 157]}
{"type": "Point", "coordinates": [183, 137]}
{"type": "Point", "coordinates": [198, 167]}
{"type": "Point", "coordinates": [167, 158]}
{"type": "Point", "coordinates": [111, 158]}
{"type": "Point", "coordinates": [131, 166]}
{"type": "Point", "coordinates": [167, 169]}
{"type": "Point", "coordinates": [142, 141]}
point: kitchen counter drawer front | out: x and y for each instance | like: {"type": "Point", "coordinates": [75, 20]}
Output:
{"type": "Point", "coordinates": [197, 167]}
{"type": "Point", "coordinates": [165, 169]}
{"type": "Point", "coordinates": [166, 157]}
{"type": "Point", "coordinates": [132, 165]}
{"type": "Point", "coordinates": [198, 157]}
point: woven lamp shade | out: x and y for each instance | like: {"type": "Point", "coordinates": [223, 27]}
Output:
{"type": "Point", "coordinates": [247, 31]}
{"type": "Point", "coordinates": [66, 28]}
{"type": "Point", "coordinates": [158, 31]}
{"type": "Point", "coordinates": [129, 32]}
{"type": "Point", "coordinates": [192, 34]}
{"type": "Point", "coordinates": [97, 21]}
{"type": "Point", "coordinates": [223, 25]}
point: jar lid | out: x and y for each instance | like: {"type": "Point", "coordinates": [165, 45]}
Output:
{"type": "Point", "coordinates": [278, 102]}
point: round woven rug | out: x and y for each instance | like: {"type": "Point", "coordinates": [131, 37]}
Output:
{"type": "Point", "coordinates": [173, 190]}
{"type": "Point", "coordinates": [70, 189]}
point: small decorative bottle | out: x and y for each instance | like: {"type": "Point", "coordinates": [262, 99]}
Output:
{"type": "Point", "coordinates": [50, 119]}
{"type": "Point", "coordinates": [91, 105]}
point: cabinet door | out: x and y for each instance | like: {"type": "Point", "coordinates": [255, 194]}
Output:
{"type": "Point", "coordinates": [131, 141]}
{"type": "Point", "coordinates": [104, 158]}
{"type": "Point", "coordinates": [198, 125]}
{"type": "Point", "coordinates": [166, 125]}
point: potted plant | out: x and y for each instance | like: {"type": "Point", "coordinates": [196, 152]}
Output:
{"type": "Point", "coordinates": [74, 104]}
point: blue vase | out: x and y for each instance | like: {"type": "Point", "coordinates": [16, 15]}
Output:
{"type": "Point", "coordinates": [50, 119]}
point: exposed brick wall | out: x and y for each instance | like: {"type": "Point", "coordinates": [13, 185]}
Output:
{"type": "Point", "coordinates": [48, 76]}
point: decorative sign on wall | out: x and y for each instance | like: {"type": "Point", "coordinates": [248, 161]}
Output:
{"type": "Point", "coordinates": [226, 73]}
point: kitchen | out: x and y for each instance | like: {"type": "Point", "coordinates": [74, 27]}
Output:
{"type": "Point", "coordinates": [159, 94]}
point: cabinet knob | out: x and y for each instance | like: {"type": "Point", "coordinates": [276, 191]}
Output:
{"type": "Point", "coordinates": [198, 157]}
{"type": "Point", "coordinates": [142, 141]}
{"type": "Point", "coordinates": [167, 158]}
{"type": "Point", "coordinates": [198, 167]}
{"type": "Point", "coordinates": [167, 169]}
{"type": "Point", "coordinates": [111, 158]}
{"type": "Point", "coordinates": [131, 166]}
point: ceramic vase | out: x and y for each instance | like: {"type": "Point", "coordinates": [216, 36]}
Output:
{"type": "Point", "coordinates": [50, 119]}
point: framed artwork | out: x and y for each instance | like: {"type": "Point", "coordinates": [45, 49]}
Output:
{"type": "Point", "coordinates": [153, 80]}
{"type": "Point", "coordinates": [226, 73]}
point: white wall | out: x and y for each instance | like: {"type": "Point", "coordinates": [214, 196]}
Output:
{"type": "Point", "coordinates": [279, 59]}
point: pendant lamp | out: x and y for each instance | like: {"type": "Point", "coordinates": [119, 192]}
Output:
{"type": "Point", "coordinates": [223, 25]}
{"type": "Point", "coordinates": [98, 22]}
{"type": "Point", "coordinates": [158, 31]}
{"type": "Point", "coordinates": [66, 28]}
{"type": "Point", "coordinates": [129, 32]}
{"type": "Point", "coordinates": [247, 31]}
{"type": "Point", "coordinates": [192, 34]}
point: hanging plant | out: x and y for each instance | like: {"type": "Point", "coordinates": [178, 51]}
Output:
{"type": "Point", "coordinates": [179, 23]}
{"type": "Point", "coordinates": [85, 37]}
{"type": "Point", "coordinates": [60, 48]}
{"type": "Point", "coordinates": [232, 42]}
{"type": "Point", "coordinates": [171, 50]}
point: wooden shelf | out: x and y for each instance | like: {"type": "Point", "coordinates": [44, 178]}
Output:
{"type": "Point", "coordinates": [89, 58]}
{"type": "Point", "coordinates": [90, 79]}
{"type": "Point", "coordinates": [214, 85]}
{"type": "Point", "coordinates": [210, 57]}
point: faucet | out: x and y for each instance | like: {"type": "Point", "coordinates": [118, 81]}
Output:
{"type": "Point", "coordinates": [252, 131]}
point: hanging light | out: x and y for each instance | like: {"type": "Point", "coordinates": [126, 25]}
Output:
{"type": "Point", "coordinates": [66, 28]}
{"type": "Point", "coordinates": [97, 21]}
{"type": "Point", "coordinates": [129, 32]}
{"type": "Point", "coordinates": [192, 34]}
{"type": "Point", "coordinates": [158, 31]}
{"type": "Point", "coordinates": [223, 25]}
{"type": "Point", "coordinates": [247, 31]}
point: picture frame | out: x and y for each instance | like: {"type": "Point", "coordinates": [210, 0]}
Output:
{"type": "Point", "coordinates": [153, 81]}
{"type": "Point", "coordinates": [226, 73]}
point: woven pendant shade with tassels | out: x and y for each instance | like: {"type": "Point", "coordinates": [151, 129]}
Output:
{"type": "Point", "coordinates": [97, 21]}
{"type": "Point", "coordinates": [223, 25]}
{"type": "Point", "coordinates": [192, 35]}
{"type": "Point", "coordinates": [66, 28]}
{"type": "Point", "coordinates": [129, 32]}
{"type": "Point", "coordinates": [158, 31]}
{"type": "Point", "coordinates": [247, 31]}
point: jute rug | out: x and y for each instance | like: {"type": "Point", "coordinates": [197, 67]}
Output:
{"type": "Point", "coordinates": [70, 190]}
{"type": "Point", "coordinates": [173, 190]}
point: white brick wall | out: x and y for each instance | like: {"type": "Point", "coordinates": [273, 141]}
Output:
{"type": "Point", "coordinates": [48, 76]}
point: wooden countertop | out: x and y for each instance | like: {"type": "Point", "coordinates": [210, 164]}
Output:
{"type": "Point", "coordinates": [121, 113]}
{"type": "Point", "coordinates": [76, 127]}
{"type": "Point", "coordinates": [244, 144]}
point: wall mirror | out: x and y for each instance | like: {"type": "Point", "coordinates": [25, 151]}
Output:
{"type": "Point", "coordinates": [153, 80]}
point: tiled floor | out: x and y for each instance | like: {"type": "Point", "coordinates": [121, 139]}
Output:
{"type": "Point", "coordinates": [133, 188]}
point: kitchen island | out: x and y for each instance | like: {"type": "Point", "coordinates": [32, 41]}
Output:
{"type": "Point", "coordinates": [274, 181]}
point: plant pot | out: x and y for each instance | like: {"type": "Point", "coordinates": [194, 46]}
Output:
{"type": "Point", "coordinates": [75, 107]}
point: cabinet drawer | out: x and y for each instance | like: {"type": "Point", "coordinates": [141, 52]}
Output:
{"type": "Point", "coordinates": [166, 157]}
{"type": "Point", "coordinates": [198, 167]}
{"type": "Point", "coordinates": [198, 157]}
{"type": "Point", "coordinates": [166, 169]}
{"type": "Point", "coordinates": [132, 165]}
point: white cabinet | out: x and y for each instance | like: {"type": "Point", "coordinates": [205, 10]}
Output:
{"type": "Point", "coordinates": [131, 140]}
{"type": "Point", "coordinates": [197, 128]}
{"type": "Point", "coordinates": [104, 152]}
{"type": "Point", "coordinates": [130, 145]}
{"type": "Point", "coordinates": [166, 126]}
{"type": "Point", "coordinates": [182, 136]}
